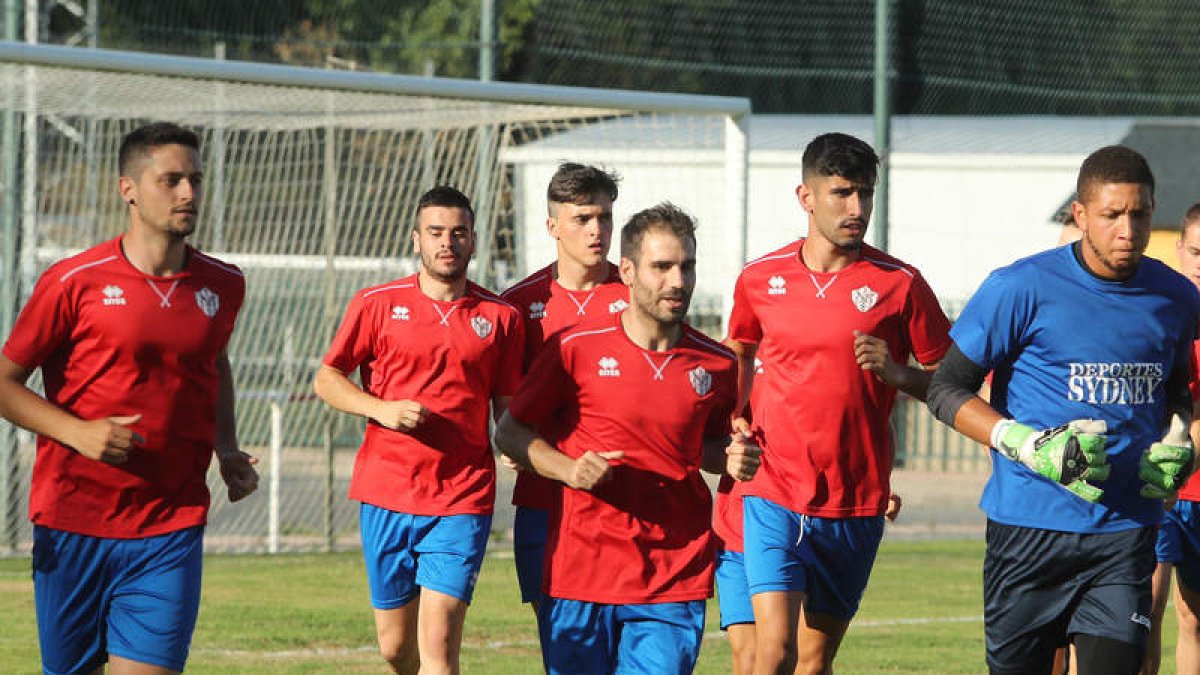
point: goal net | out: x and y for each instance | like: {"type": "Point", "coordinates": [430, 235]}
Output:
{"type": "Point", "coordinates": [311, 182]}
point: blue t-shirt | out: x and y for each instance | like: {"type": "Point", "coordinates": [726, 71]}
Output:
{"type": "Point", "coordinates": [1064, 345]}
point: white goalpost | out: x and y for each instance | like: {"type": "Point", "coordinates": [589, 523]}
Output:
{"type": "Point", "coordinates": [312, 178]}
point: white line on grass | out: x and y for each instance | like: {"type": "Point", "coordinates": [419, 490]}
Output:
{"type": "Point", "coordinates": [339, 652]}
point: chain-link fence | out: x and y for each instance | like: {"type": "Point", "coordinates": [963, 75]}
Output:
{"type": "Point", "coordinates": [1018, 66]}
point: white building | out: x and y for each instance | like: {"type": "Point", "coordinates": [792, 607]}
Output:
{"type": "Point", "coordinates": [968, 194]}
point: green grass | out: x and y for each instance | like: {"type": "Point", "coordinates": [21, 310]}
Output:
{"type": "Point", "coordinates": [310, 614]}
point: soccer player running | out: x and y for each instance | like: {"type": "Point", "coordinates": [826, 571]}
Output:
{"type": "Point", "coordinates": [579, 285]}
{"type": "Point", "coordinates": [1090, 345]}
{"type": "Point", "coordinates": [630, 550]}
{"type": "Point", "coordinates": [434, 350]}
{"type": "Point", "coordinates": [130, 336]}
{"type": "Point", "coordinates": [832, 323]}
{"type": "Point", "coordinates": [1178, 545]}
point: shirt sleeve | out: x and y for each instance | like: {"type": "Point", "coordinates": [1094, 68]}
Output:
{"type": "Point", "coordinates": [45, 323]}
{"type": "Point", "coordinates": [510, 369]}
{"type": "Point", "coordinates": [546, 387]}
{"type": "Point", "coordinates": [719, 422]}
{"type": "Point", "coordinates": [354, 342]}
{"type": "Point", "coordinates": [993, 324]}
{"type": "Point", "coordinates": [928, 327]}
{"type": "Point", "coordinates": [743, 323]}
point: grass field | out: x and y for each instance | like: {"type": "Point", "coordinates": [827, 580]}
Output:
{"type": "Point", "coordinates": [310, 614]}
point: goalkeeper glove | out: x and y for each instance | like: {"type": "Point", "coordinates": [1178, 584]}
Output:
{"type": "Point", "coordinates": [1166, 465]}
{"type": "Point", "coordinates": [1070, 454]}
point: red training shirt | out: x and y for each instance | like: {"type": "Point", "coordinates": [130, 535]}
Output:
{"type": "Point", "coordinates": [548, 308]}
{"type": "Point", "coordinates": [645, 536]}
{"type": "Point", "coordinates": [452, 357]}
{"type": "Point", "coordinates": [822, 420]}
{"type": "Point", "coordinates": [1191, 489]}
{"type": "Point", "coordinates": [112, 341]}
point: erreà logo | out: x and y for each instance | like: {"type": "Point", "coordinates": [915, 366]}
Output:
{"type": "Point", "coordinates": [608, 367]}
{"type": "Point", "coordinates": [537, 310]}
{"type": "Point", "coordinates": [617, 306]}
{"type": "Point", "coordinates": [777, 285]}
{"type": "Point", "coordinates": [113, 295]}
{"type": "Point", "coordinates": [400, 313]}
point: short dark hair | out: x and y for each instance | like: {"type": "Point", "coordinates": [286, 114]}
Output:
{"type": "Point", "coordinates": [1191, 218]}
{"type": "Point", "coordinates": [665, 217]}
{"type": "Point", "coordinates": [1113, 164]}
{"type": "Point", "coordinates": [447, 197]}
{"type": "Point", "coordinates": [139, 142]}
{"type": "Point", "coordinates": [580, 183]}
{"type": "Point", "coordinates": [837, 154]}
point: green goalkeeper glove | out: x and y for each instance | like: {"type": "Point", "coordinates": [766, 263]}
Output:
{"type": "Point", "coordinates": [1069, 455]}
{"type": "Point", "coordinates": [1166, 465]}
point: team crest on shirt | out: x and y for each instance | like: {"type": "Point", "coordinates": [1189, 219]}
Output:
{"type": "Point", "coordinates": [617, 305]}
{"type": "Point", "coordinates": [776, 285]}
{"type": "Point", "coordinates": [208, 302]}
{"type": "Point", "coordinates": [400, 313]}
{"type": "Point", "coordinates": [482, 326]}
{"type": "Point", "coordinates": [864, 298]}
{"type": "Point", "coordinates": [537, 310]}
{"type": "Point", "coordinates": [113, 295]}
{"type": "Point", "coordinates": [608, 367]}
{"type": "Point", "coordinates": [701, 380]}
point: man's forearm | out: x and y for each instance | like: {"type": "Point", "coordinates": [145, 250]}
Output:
{"type": "Point", "coordinates": [226, 436]}
{"type": "Point", "coordinates": [714, 457]}
{"type": "Point", "coordinates": [910, 380]}
{"type": "Point", "coordinates": [335, 389]}
{"type": "Point", "coordinates": [530, 451]}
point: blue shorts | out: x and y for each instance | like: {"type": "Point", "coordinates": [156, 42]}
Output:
{"type": "Point", "coordinates": [132, 598]}
{"type": "Point", "coordinates": [585, 638]}
{"type": "Point", "coordinates": [405, 553]}
{"type": "Point", "coordinates": [733, 592]}
{"type": "Point", "coordinates": [1179, 542]}
{"type": "Point", "coordinates": [1041, 587]}
{"type": "Point", "coordinates": [529, 550]}
{"type": "Point", "coordinates": [827, 559]}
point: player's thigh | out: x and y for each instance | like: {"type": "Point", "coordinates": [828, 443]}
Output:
{"type": "Point", "coordinates": [1115, 602]}
{"type": "Point", "coordinates": [841, 554]}
{"type": "Point", "coordinates": [829, 560]}
{"type": "Point", "coordinates": [156, 597]}
{"type": "Point", "coordinates": [529, 550]}
{"type": "Point", "coordinates": [771, 536]}
{"type": "Point", "coordinates": [71, 599]}
{"type": "Point", "coordinates": [450, 554]}
{"type": "Point", "coordinates": [440, 625]}
{"type": "Point", "coordinates": [1184, 519]}
{"type": "Point", "coordinates": [578, 638]}
{"type": "Point", "coordinates": [389, 554]}
{"type": "Point", "coordinates": [733, 591]}
{"type": "Point", "coordinates": [660, 638]}
{"type": "Point", "coordinates": [818, 638]}
{"type": "Point", "coordinates": [122, 666]}
{"type": "Point", "coordinates": [1029, 585]}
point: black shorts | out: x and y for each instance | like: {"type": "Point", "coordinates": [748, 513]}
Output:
{"type": "Point", "coordinates": [1040, 587]}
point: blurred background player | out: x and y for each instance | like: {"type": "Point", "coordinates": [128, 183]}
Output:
{"type": "Point", "coordinates": [1178, 544]}
{"type": "Point", "coordinates": [630, 550]}
{"type": "Point", "coordinates": [130, 336]}
{"type": "Point", "coordinates": [813, 516]}
{"type": "Point", "coordinates": [579, 285]}
{"type": "Point", "coordinates": [433, 351]}
{"type": "Point", "coordinates": [1089, 344]}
